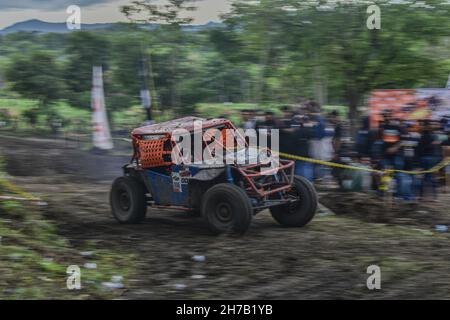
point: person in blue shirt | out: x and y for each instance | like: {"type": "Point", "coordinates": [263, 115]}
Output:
{"type": "Point", "coordinates": [319, 132]}
{"type": "Point", "coordinates": [407, 184]}
{"type": "Point", "coordinates": [429, 152]}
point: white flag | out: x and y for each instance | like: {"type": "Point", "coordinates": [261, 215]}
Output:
{"type": "Point", "coordinates": [102, 135]}
{"type": "Point", "coordinates": [146, 98]}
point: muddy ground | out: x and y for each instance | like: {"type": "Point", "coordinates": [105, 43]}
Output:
{"type": "Point", "coordinates": [325, 260]}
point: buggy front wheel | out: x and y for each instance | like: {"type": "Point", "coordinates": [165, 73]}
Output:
{"type": "Point", "coordinates": [300, 212]}
{"type": "Point", "coordinates": [227, 209]}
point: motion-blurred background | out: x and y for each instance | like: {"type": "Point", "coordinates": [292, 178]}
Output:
{"type": "Point", "coordinates": [261, 64]}
{"type": "Point", "coordinates": [260, 55]}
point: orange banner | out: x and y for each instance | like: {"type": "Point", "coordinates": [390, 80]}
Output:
{"type": "Point", "coordinates": [404, 104]}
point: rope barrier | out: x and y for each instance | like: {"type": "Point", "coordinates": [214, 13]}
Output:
{"type": "Point", "coordinates": [436, 168]}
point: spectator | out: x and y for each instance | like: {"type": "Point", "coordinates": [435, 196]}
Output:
{"type": "Point", "coordinates": [287, 131]}
{"type": "Point", "coordinates": [391, 136]}
{"type": "Point", "coordinates": [316, 146]}
{"type": "Point", "coordinates": [287, 117]}
{"type": "Point", "coordinates": [301, 137]}
{"type": "Point", "coordinates": [269, 121]}
{"type": "Point", "coordinates": [376, 152]}
{"type": "Point", "coordinates": [407, 183]}
{"type": "Point", "coordinates": [363, 139]}
{"type": "Point", "coordinates": [248, 119]}
{"type": "Point", "coordinates": [447, 124]}
{"type": "Point", "coordinates": [429, 153]}
{"type": "Point", "coordinates": [446, 153]}
{"type": "Point", "coordinates": [328, 138]}
{"type": "Point", "coordinates": [267, 125]}
{"type": "Point", "coordinates": [337, 134]}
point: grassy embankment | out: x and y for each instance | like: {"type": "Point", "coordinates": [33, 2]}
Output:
{"type": "Point", "coordinates": [34, 257]}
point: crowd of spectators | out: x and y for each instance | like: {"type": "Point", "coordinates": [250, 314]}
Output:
{"type": "Point", "coordinates": [393, 143]}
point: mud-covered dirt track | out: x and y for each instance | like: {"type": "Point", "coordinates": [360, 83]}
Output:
{"type": "Point", "coordinates": [325, 260]}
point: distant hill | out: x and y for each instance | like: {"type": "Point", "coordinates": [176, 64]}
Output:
{"type": "Point", "coordinates": [47, 27]}
{"type": "Point", "coordinates": [60, 27]}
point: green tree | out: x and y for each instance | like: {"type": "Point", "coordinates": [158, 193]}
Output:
{"type": "Point", "coordinates": [325, 46]}
{"type": "Point", "coordinates": [125, 83]}
{"type": "Point", "coordinates": [171, 48]}
{"type": "Point", "coordinates": [35, 76]}
{"type": "Point", "coordinates": [84, 50]}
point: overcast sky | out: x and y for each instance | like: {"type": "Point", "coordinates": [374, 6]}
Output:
{"type": "Point", "coordinates": [92, 11]}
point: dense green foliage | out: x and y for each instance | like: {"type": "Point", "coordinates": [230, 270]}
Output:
{"type": "Point", "coordinates": [267, 51]}
{"type": "Point", "coordinates": [35, 76]}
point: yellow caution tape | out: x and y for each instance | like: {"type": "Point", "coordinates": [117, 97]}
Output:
{"type": "Point", "coordinates": [329, 164]}
{"type": "Point", "coordinates": [441, 165]}
{"type": "Point", "coordinates": [436, 168]}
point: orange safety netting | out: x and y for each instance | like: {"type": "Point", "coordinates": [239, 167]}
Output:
{"type": "Point", "coordinates": [151, 153]}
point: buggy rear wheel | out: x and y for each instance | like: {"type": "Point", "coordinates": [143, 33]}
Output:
{"type": "Point", "coordinates": [227, 208]}
{"type": "Point", "coordinates": [301, 212]}
{"type": "Point", "coordinates": [128, 200]}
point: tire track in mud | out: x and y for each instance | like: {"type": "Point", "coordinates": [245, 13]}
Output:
{"type": "Point", "coordinates": [326, 259]}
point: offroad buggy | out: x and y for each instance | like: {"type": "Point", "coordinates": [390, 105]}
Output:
{"type": "Point", "coordinates": [226, 196]}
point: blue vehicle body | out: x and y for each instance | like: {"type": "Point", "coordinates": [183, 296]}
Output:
{"type": "Point", "coordinates": [173, 188]}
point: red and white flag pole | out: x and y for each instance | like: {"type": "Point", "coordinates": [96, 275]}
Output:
{"type": "Point", "coordinates": [101, 132]}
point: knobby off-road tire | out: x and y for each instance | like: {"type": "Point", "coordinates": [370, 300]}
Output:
{"type": "Point", "coordinates": [128, 200]}
{"type": "Point", "coordinates": [226, 208]}
{"type": "Point", "coordinates": [302, 212]}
